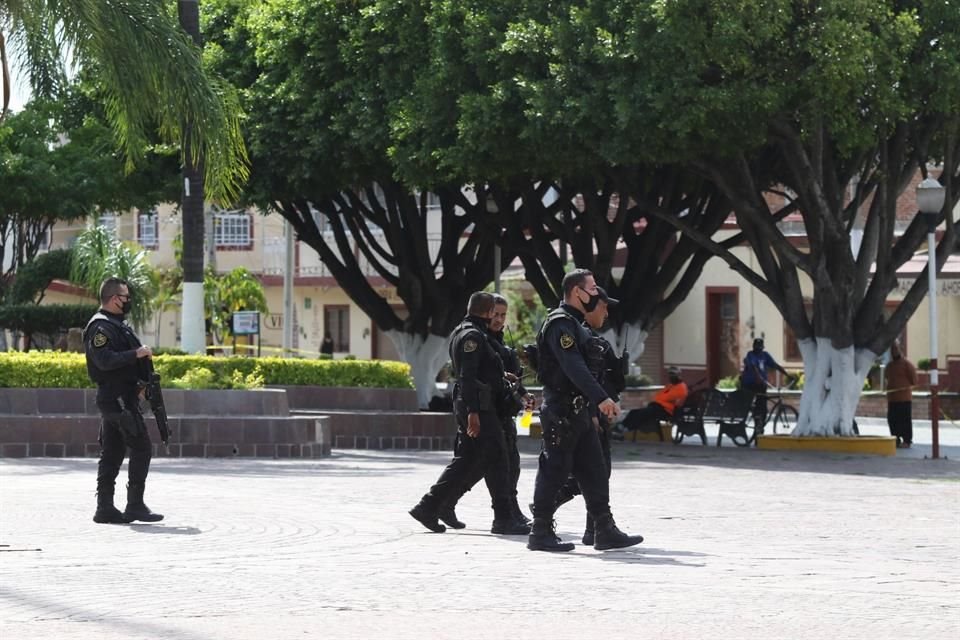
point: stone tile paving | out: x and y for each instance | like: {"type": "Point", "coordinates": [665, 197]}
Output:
{"type": "Point", "coordinates": [740, 544]}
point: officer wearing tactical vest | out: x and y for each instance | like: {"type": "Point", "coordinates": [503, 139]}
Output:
{"type": "Point", "coordinates": [513, 399]}
{"type": "Point", "coordinates": [116, 363]}
{"type": "Point", "coordinates": [571, 397]}
{"type": "Point", "coordinates": [609, 369]}
{"type": "Point", "coordinates": [480, 446]}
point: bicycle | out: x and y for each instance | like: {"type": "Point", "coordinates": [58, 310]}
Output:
{"type": "Point", "coordinates": [781, 417]}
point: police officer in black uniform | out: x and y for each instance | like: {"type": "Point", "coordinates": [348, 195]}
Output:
{"type": "Point", "coordinates": [118, 363]}
{"type": "Point", "coordinates": [572, 396]}
{"type": "Point", "coordinates": [513, 399]}
{"type": "Point", "coordinates": [609, 369]}
{"type": "Point", "coordinates": [480, 446]}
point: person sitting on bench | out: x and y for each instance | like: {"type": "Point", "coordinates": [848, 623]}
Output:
{"type": "Point", "coordinates": [665, 402]}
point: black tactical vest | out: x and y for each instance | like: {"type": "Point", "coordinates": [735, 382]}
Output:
{"type": "Point", "coordinates": [549, 372]}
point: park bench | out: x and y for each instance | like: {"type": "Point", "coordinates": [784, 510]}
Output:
{"type": "Point", "coordinates": [688, 418]}
{"type": "Point", "coordinates": [730, 410]}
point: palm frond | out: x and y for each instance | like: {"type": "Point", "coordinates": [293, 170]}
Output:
{"type": "Point", "coordinates": [151, 72]}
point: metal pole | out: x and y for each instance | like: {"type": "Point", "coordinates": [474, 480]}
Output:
{"type": "Point", "coordinates": [934, 374]}
{"type": "Point", "coordinates": [288, 291]}
{"type": "Point", "coordinates": [496, 268]}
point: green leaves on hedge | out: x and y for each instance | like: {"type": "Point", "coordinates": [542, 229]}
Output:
{"type": "Point", "coordinates": [68, 370]}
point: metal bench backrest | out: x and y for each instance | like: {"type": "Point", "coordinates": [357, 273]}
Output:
{"type": "Point", "coordinates": [731, 406]}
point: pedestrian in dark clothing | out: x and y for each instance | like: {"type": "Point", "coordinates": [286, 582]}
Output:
{"type": "Point", "coordinates": [118, 364]}
{"type": "Point", "coordinates": [480, 446]}
{"type": "Point", "coordinates": [326, 347]}
{"type": "Point", "coordinates": [901, 377]}
{"type": "Point", "coordinates": [513, 399]}
{"type": "Point", "coordinates": [571, 398]}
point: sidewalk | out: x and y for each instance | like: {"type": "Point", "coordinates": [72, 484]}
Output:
{"type": "Point", "coordinates": [740, 543]}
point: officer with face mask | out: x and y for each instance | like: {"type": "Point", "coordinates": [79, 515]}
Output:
{"type": "Point", "coordinates": [571, 398]}
{"type": "Point", "coordinates": [118, 363]}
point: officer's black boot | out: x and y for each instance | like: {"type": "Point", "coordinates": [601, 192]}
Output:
{"type": "Point", "coordinates": [448, 515]}
{"type": "Point", "coordinates": [563, 497]}
{"type": "Point", "coordinates": [608, 536]}
{"type": "Point", "coordinates": [106, 512]}
{"type": "Point", "coordinates": [136, 509]}
{"type": "Point", "coordinates": [544, 538]}
{"type": "Point", "coordinates": [508, 525]}
{"type": "Point", "coordinates": [588, 532]}
{"type": "Point", "coordinates": [425, 512]}
{"type": "Point", "coordinates": [519, 515]}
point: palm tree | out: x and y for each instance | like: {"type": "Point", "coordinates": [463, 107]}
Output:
{"type": "Point", "coordinates": [97, 255]}
{"type": "Point", "coordinates": [150, 71]}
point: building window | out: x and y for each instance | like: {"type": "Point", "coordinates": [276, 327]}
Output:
{"type": "Point", "coordinates": [233, 230]}
{"type": "Point", "coordinates": [336, 320]}
{"type": "Point", "coordinates": [148, 230]}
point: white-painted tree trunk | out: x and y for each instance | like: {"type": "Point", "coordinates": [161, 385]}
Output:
{"type": "Point", "coordinates": [425, 357]}
{"type": "Point", "coordinates": [192, 330]}
{"type": "Point", "coordinates": [630, 336]}
{"type": "Point", "coordinates": [833, 383]}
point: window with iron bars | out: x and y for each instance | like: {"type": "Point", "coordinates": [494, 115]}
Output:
{"type": "Point", "coordinates": [233, 230]}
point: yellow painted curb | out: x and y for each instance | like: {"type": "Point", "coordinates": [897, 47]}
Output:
{"type": "Point", "coordinates": [651, 436]}
{"type": "Point", "coordinates": [867, 445]}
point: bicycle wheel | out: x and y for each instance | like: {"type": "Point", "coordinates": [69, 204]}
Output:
{"type": "Point", "coordinates": [784, 419]}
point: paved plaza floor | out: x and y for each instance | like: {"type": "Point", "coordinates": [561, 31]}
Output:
{"type": "Point", "coordinates": [740, 544]}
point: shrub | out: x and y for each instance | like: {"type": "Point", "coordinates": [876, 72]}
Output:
{"type": "Point", "coordinates": [731, 382]}
{"type": "Point", "coordinates": [923, 364]}
{"type": "Point", "coordinates": [641, 380]}
{"type": "Point", "coordinates": [68, 370]}
{"type": "Point", "coordinates": [47, 319]}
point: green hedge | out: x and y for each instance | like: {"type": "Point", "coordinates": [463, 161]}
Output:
{"type": "Point", "coordinates": [68, 370]}
{"type": "Point", "coordinates": [47, 319]}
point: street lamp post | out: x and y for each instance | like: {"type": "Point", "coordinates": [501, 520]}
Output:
{"type": "Point", "coordinates": [930, 197]}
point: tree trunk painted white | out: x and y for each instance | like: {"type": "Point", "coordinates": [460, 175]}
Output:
{"type": "Point", "coordinates": [192, 331]}
{"type": "Point", "coordinates": [629, 335]}
{"type": "Point", "coordinates": [425, 357]}
{"type": "Point", "coordinates": [833, 383]}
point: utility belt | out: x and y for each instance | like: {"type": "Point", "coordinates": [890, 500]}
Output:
{"type": "Point", "coordinates": [571, 403]}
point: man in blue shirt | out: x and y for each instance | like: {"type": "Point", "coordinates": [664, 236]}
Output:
{"type": "Point", "coordinates": [756, 367]}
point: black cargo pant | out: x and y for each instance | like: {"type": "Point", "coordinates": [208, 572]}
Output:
{"type": "Point", "coordinates": [900, 420]}
{"type": "Point", "coordinates": [484, 456]}
{"type": "Point", "coordinates": [119, 432]}
{"type": "Point", "coordinates": [572, 487]}
{"type": "Point", "coordinates": [513, 464]}
{"type": "Point", "coordinates": [570, 445]}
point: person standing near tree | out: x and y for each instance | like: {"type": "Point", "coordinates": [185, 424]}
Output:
{"type": "Point", "coordinates": [756, 369]}
{"type": "Point", "coordinates": [901, 378]}
{"type": "Point", "coordinates": [116, 362]}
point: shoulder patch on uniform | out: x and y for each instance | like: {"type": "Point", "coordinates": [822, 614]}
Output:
{"type": "Point", "coordinates": [99, 339]}
{"type": "Point", "coordinates": [470, 346]}
{"type": "Point", "coordinates": [567, 340]}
